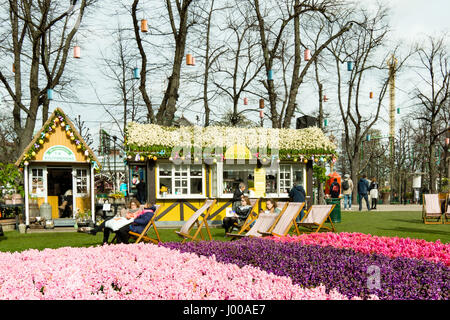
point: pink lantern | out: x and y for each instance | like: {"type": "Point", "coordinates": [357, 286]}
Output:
{"type": "Point", "coordinates": [307, 55]}
{"type": "Point", "coordinates": [447, 141]}
{"type": "Point", "coordinates": [76, 52]}
{"type": "Point", "coordinates": [261, 113]}
{"type": "Point", "coordinates": [245, 101]}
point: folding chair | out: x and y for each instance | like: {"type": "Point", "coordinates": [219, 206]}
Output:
{"type": "Point", "coordinates": [431, 209]}
{"type": "Point", "coordinates": [286, 220]}
{"type": "Point", "coordinates": [264, 223]}
{"type": "Point", "coordinates": [316, 216]}
{"type": "Point", "coordinates": [143, 235]}
{"type": "Point", "coordinates": [252, 216]}
{"type": "Point", "coordinates": [203, 212]}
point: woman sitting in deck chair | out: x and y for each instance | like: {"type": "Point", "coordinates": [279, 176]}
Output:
{"type": "Point", "coordinates": [138, 224]}
{"type": "Point", "coordinates": [242, 213]}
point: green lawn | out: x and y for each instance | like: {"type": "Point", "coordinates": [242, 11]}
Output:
{"type": "Point", "coordinates": [400, 224]}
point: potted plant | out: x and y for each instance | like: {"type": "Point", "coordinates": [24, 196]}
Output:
{"type": "Point", "coordinates": [386, 194]}
{"type": "Point", "coordinates": [83, 218]}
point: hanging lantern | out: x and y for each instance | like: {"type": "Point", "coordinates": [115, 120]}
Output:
{"type": "Point", "coordinates": [193, 61]}
{"type": "Point", "coordinates": [398, 110]}
{"type": "Point", "coordinates": [325, 122]}
{"type": "Point", "coordinates": [307, 56]}
{"type": "Point", "coordinates": [135, 73]}
{"type": "Point", "coordinates": [261, 103]}
{"type": "Point", "coordinates": [325, 99]}
{"type": "Point", "coordinates": [349, 65]}
{"type": "Point", "coordinates": [245, 101]}
{"type": "Point", "coordinates": [368, 137]}
{"type": "Point", "coordinates": [447, 141]}
{"type": "Point", "coordinates": [270, 75]}
{"type": "Point", "coordinates": [77, 52]}
{"type": "Point", "coordinates": [50, 94]}
{"type": "Point", "coordinates": [14, 68]}
{"type": "Point", "coordinates": [261, 114]}
{"type": "Point", "coordinates": [371, 95]}
{"type": "Point", "coordinates": [144, 25]}
{"type": "Point", "coordinates": [189, 59]}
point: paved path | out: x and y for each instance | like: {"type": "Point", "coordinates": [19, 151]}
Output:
{"type": "Point", "coordinates": [388, 207]}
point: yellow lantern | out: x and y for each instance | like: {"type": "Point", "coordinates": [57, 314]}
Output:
{"type": "Point", "coordinates": [305, 161]}
{"type": "Point", "coordinates": [68, 133]}
{"type": "Point", "coordinates": [72, 138]}
{"type": "Point", "coordinates": [33, 154]}
{"type": "Point", "coordinates": [154, 158]}
{"type": "Point", "coordinates": [47, 135]}
{"type": "Point", "coordinates": [41, 141]}
{"type": "Point", "coordinates": [56, 120]}
{"type": "Point", "coordinates": [79, 146]}
{"type": "Point", "coordinates": [142, 158]}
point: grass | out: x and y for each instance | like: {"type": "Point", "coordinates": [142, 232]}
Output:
{"type": "Point", "coordinates": [393, 224]}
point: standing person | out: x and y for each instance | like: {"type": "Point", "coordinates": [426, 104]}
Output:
{"type": "Point", "coordinates": [335, 189]}
{"type": "Point", "coordinates": [141, 194]}
{"type": "Point", "coordinates": [373, 190]}
{"type": "Point", "coordinates": [237, 196]}
{"type": "Point", "coordinates": [363, 189]}
{"type": "Point", "coordinates": [347, 190]}
{"type": "Point", "coordinates": [298, 194]}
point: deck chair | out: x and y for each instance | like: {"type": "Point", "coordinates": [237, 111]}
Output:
{"type": "Point", "coordinates": [252, 216]}
{"type": "Point", "coordinates": [286, 220]}
{"type": "Point", "coordinates": [315, 218]}
{"type": "Point", "coordinates": [264, 223]}
{"type": "Point", "coordinates": [431, 209]}
{"type": "Point", "coordinates": [143, 235]}
{"type": "Point", "coordinates": [202, 213]}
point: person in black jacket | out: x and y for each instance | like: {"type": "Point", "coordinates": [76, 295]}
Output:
{"type": "Point", "coordinates": [363, 189]}
{"type": "Point", "coordinates": [298, 194]}
{"type": "Point", "coordinates": [335, 189]}
{"type": "Point", "coordinates": [237, 196]}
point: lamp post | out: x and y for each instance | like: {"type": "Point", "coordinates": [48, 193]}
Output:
{"type": "Point", "coordinates": [115, 171]}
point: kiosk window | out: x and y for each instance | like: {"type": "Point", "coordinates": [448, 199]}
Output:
{"type": "Point", "coordinates": [234, 174]}
{"type": "Point", "coordinates": [82, 181]}
{"type": "Point", "coordinates": [180, 179]}
{"type": "Point", "coordinates": [37, 182]}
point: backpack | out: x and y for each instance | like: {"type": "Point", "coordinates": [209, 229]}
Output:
{"type": "Point", "coordinates": [335, 188]}
{"type": "Point", "coordinates": [345, 185]}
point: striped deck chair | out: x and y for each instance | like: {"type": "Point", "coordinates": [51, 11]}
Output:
{"type": "Point", "coordinates": [264, 223]}
{"type": "Point", "coordinates": [203, 214]}
{"type": "Point", "coordinates": [431, 209]}
{"type": "Point", "coordinates": [252, 216]}
{"type": "Point", "coordinates": [143, 236]}
{"type": "Point", "coordinates": [286, 220]}
{"type": "Point", "coordinates": [315, 218]}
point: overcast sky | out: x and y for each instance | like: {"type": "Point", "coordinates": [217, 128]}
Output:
{"type": "Point", "coordinates": [410, 20]}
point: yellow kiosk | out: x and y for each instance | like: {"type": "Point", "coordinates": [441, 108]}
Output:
{"type": "Point", "coordinates": [182, 167]}
{"type": "Point", "coordinates": [58, 161]}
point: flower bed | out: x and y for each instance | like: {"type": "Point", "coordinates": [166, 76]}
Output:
{"type": "Point", "coordinates": [388, 246]}
{"type": "Point", "coordinates": [140, 271]}
{"type": "Point", "coordinates": [345, 270]}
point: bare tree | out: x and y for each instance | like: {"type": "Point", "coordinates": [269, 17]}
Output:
{"type": "Point", "coordinates": [433, 97]}
{"type": "Point", "coordinates": [40, 43]}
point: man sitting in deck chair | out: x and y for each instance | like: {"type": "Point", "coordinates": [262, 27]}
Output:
{"type": "Point", "coordinates": [316, 216]}
{"type": "Point", "coordinates": [202, 213]}
{"type": "Point", "coordinates": [431, 209]}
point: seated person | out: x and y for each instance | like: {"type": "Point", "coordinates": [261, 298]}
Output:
{"type": "Point", "coordinates": [271, 207]}
{"type": "Point", "coordinates": [126, 215]}
{"type": "Point", "coordinates": [242, 213]}
{"type": "Point", "coordinates": [138, 224]}
{"type": "Point", "coordinates": [66, 205]}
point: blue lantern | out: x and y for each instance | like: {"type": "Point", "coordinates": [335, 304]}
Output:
{"type": "Point", "coordinates": [368, 137]}
{"type": "Point", "coordinates": [325, 122]}
{"type": "Point", "coordinates": [136, 73]}
{"type": "Point", "coordinates": [398, 110]}
{"type": "Point", "coordinates": [349, 65]}
{"type": "Point", "coordinates": [270, 75]}
{"type": "Point", "coordinates": [50, 94]}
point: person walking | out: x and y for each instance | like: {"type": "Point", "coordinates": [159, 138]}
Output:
{"type": "Point", "coordinates": [347, 191]}
{"type": "Point", "coordinates": [363, 189]}
{"type": "Point", "coordinates": [373, 190]}
{"type": "Point", "coordinates": [335, 189]}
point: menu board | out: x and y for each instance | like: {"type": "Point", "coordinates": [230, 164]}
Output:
{"type": "Point", "coordinates": [260, 182]}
